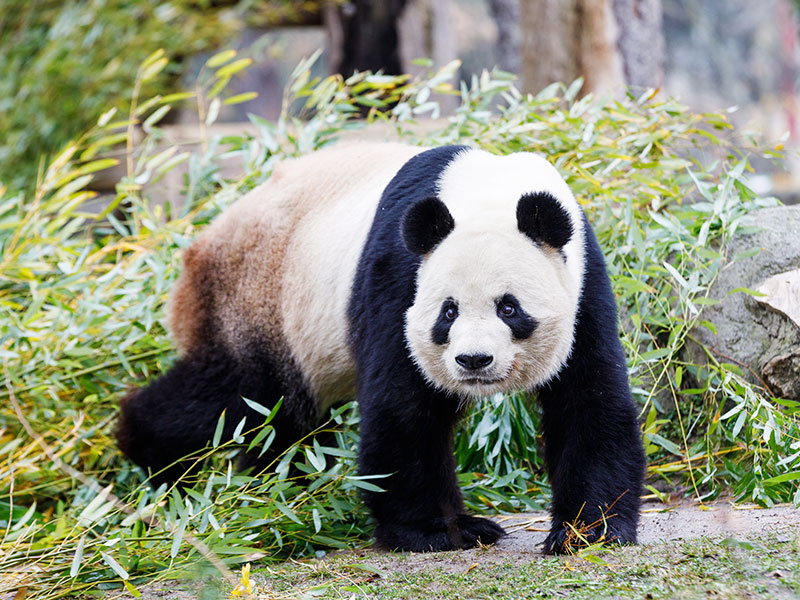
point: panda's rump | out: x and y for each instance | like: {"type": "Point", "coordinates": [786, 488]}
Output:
{"type": "Point", "coordinates": [228, 293]}
{"type": "Point", "coordinates": [275, 270]}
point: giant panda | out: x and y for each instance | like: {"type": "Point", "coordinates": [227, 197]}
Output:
{"type": "Point", "coordinates": [413, 279]}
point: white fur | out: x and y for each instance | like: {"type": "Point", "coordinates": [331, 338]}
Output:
{"type": "Point", "coordinates": [485, 257]}
{"type": "Point", "coordinates": [483, 189]}
{"type": "Point", "coordinates": [281, 262]}
{"type": "Point", "coordinates": [322, 258]}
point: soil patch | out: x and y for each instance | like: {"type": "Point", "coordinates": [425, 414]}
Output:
{"type": "Point", "coordinates": [658, 523]}
{"type": "Point", "coordinates": [521, 548]}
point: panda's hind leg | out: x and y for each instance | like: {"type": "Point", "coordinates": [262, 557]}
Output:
{"type": "Point", "coordinates": [266, 382]}
{"type": "Point", "coordinates": [176, 415]}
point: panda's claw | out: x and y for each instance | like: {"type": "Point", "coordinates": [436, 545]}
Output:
{"type": "Point", "coordinates": [477, 530]}
{"type": "Point", "coordinates": [557, 540]}
{"type": "Point", "coordinates": [465, 531]}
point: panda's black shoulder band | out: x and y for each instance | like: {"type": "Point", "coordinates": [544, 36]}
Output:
{"type": "Point", "coordinates": [542, 218]}
{"type": "Point", "coordinates": [425, 224]}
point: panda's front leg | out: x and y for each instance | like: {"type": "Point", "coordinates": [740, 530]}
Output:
{"type": "Point", "coordinates": [595, 460]}
{"type": "Point", "coordinates": [406, 434]}
{"type": "Point", "coordinates": [593, 445]}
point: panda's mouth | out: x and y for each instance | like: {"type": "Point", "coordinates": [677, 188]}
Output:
{"type": "Point", "coordinates": [482, 380]}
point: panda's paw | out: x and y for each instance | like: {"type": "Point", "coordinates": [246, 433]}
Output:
{"type": "Point", "coordinates": [465, 531]}
{"type": "Point", "coordinates": [563, 539]}
{"type": "Point", "coordinates": [477, 530]}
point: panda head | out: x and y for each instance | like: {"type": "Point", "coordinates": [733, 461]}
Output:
{"type": "Point", "coordinates": [500, 277]}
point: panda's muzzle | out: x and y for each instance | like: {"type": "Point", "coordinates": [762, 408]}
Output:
{"type": "Point", "coordinates": [474, 369]}
{"type": "Point", "coordinates": [474, 362]}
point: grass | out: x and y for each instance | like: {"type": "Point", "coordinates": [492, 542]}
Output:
{"type": "Point", "coordinates": [82, 306]}
{"type": "Point", "coordinates": [759, 566]}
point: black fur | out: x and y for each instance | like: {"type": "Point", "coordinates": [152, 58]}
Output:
{"type": "Point", "coordinates": [592, 442]}
{"type": "Point", "coordinates": [593, 446]}
{"type": "Point", "coordinates": [543, 219]}
{"type": "Point", "coordinates": [441, 329]}
{"type": "Point", "coordinates": [425, 224]}
{"type": "Point", "coordinates": [521, 323]}
{"type": "Point", "coordinates": [406, 425]}
{"type": "Point", "coordinates": [176, 415]}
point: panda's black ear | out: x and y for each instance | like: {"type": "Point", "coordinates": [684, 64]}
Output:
{"type": "Point", "coordinates": [425, 224]}
{"type": "Point", "coordinates": [542, 218]}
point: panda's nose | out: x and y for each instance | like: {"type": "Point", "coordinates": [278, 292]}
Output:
{"type": "Point", "coordinates": [473, 362]}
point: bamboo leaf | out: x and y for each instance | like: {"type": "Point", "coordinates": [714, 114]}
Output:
{"type": "Point", "coordinates": [240, 98]}
{"type": "Point", "coordinates": [233, 68]}
{"type": "Point", "coordinates": [78, 557]}
{"type": "Point", "coordinates": [218, 431]}
{"type": "Point", "coordinates": [153, 69]}
{"type": "Point", "coordinates": [213, 111]}
{"type": "Point", "coordinates": [115, 566]}
{"type": "Point", "coordinates": [220, 58]}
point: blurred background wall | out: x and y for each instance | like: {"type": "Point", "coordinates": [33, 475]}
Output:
{"type": "Point", "coordinates": [61, 63]}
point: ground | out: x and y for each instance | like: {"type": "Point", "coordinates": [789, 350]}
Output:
{"type": "Point", "coordinates": [714, 551]}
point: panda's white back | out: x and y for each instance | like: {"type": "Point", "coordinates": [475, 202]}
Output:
{"type": "Point", "coordinates": [321, 261]}
{"type": "Point", "coordinates": [278, 265]}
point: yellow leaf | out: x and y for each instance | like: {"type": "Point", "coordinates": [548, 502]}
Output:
{"type": "Point", "coordinates": [220, 58]}
{"type": "Point", "coordinates": [239, 98]}
{"type": "Point", "coordinates": [245, 588]}
{"type": "Point", "coordinates": [152, 58]}
{"type": "Point", "coordinates": [234, 67]}
{"type": "Point", "coordinates": [154, 69]}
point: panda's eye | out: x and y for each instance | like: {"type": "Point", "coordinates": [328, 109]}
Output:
{"type": "Point", "coordinates": [450, 313]}
{"type": "Point", "coordinates": [507, 310]}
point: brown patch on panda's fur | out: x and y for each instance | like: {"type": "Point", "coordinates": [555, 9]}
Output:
{"type": "Point", "coordinates": [277, 266]}
{"type": "Point", "coordinates": [229, 290]}
{"type": "Point", "coordinates": [191, 307]}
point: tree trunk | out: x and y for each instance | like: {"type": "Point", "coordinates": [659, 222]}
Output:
{"type": "Point", "coordinates": [369, 36]}
{"type": "Point", "coordinates": [425, 31]}
{"type": "Point", "coordinates": [641, 41]}
{"type": "Point", "coordinates": [507, 14]}
{"type": "Point", "coordinates": [611, 43]}
{"type": "Point", "coordinates": [549, 46]}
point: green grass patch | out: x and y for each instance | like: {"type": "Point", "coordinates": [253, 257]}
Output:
{"type": "Point", "coordinates": [762, 566]}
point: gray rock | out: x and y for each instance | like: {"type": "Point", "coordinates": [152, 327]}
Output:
{"type": "Point", "coordinates": [765, 341]}
{"type": "Point", "coordinates": [782, 374]}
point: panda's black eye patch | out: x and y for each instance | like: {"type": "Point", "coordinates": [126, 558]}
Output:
{"type": "Point", "coordinates": [513, 315]}
{"type": "Point", "coordinates": [447, 316]}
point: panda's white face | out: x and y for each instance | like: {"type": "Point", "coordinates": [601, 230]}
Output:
{"type": "Point", "coordinates": [501, 274]}
{"type": "Point", "coordinates": [492, 313]}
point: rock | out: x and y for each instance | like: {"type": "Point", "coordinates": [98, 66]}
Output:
{"type": "Point", "coordinates": [761, 336]}
{"type": "Point", "coordinates": [782, 375]}
{"type": "Point", "coordinates": [782, 293]}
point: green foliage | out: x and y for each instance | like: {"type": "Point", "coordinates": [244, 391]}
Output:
{"type": "Point", "coordinates": [63, 63]}
{"type": "Point", "coordinates": [499, 463]}
{"type": "Point", "coordinates": [82, 298]}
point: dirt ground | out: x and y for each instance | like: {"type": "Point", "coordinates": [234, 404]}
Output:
{"type": "Point", "coordinates": [658, 523]}
{"type": "Point", "coordinates": [526, 532]}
